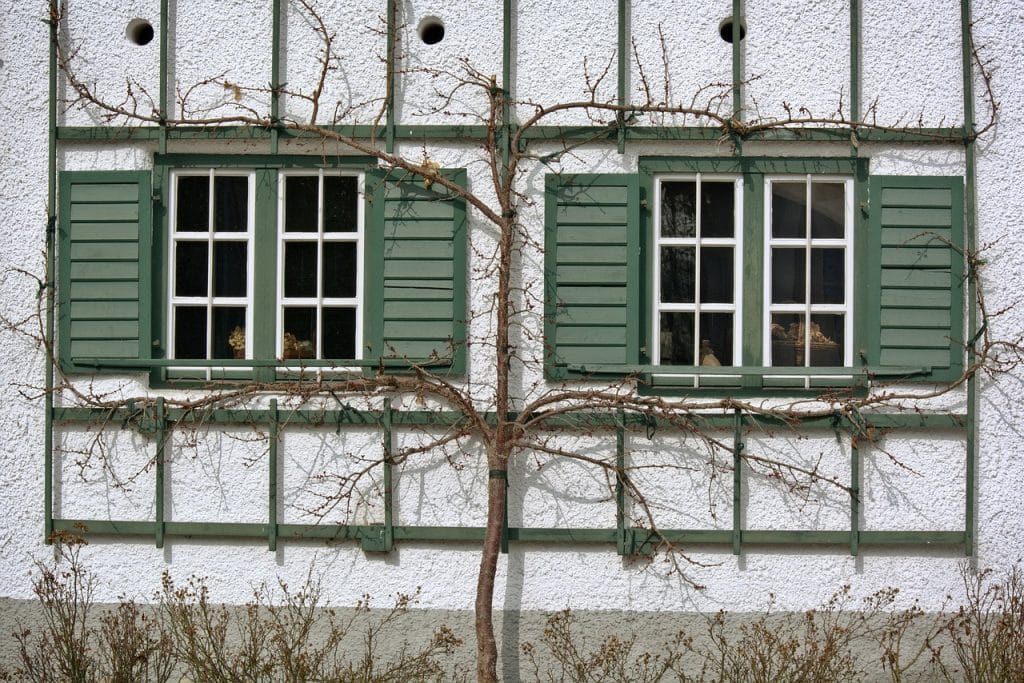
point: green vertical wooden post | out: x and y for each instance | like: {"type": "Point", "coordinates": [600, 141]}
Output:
{"type": "Point", "coordinates": [389, 120]}
{"type": "Point", "coordinates": [623, 64]}
{"type": "Point", "coordinates": [272, 457]}
{"type": "Point", "coordinates": [389, 512]}
{"type": "Point", "coordinates": [275, 76]}
{"type": "Point", "coordinates": [737, 483]}
{"type": "Point", "coordinates": [854, 495]}
{"type": "Point", "coordinates": [737, 56]}
{"type": "Point", "coordinates": [970, 245]}
{"type": "Point", "coordinates": [855, 61]}
{"type": "Point", "coordinates": [620, 484]}
{"type": "Point", "coordinates": [161, 453]}
{"type": "Point", "coordinates": [51, 229]}
{"type": "Point", "coordinates": [506, 85]}
{"type": "Point", "coordinates": [164, 104]}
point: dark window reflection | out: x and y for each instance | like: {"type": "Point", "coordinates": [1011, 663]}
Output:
{"type": "Point", "coordinates": [190, 332]}
{"type": "Point", "coordinates": [789, 210]}
{"type": "Point", "coordinates": [676, 338]}
{"type": "Point", "coordinates": [190, 269]}
{"type": "Point", "coordinates": [225, 320]}
{"type": "Point", "coordinates": [787, 348]}
{"type": "Point", "coordinates": [300, 269]}
{"type": "Point", "coordinates": [794, 346]}
{"type": "Point", "coordinates": [230, 203]}
{"type": "Point", "coordinates": [229, 268]}
{"type": "Point", "coordinates": [716, 275]}
{"type": "Point", "coordinates": [299, 332]}
{"type": "Point", "coordinates": [678, 274]}
{"type": "Point", "coordinates": [340, 269]}
{"type": "Point", "coordinates": [301, 203]}
{"type": "Point", "coordinates": [679, 209]}
{"type": "Point", "coordinates": [340, 204]}
{"type": "Point", "coordinates": [339, 333]}
{"type": "Point", "coordinates": [716, 337]}
{"type": "Point", "coordinates": [192, 208]}
{"type": "Point", "coordinates": [827, 276]}
{"type": "Point", "coordinates": [716, 211]}
{"type": "Point", "coordinates": [828, 210]}
{"type": "Point", "coordinates": [788, 276]}
{"type": "Point", "coordinates": [826, 340]}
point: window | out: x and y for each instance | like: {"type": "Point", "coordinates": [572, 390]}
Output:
{"type": "Point", "coordinates": [258, 267]}
{"type": "Point", "coordinates": [746, 274]}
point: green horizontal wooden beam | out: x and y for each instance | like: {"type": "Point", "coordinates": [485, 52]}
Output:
{"type": "Point", "coordinates": [523, 535]}
{"type": "Point", "coordinates": [636, 133]}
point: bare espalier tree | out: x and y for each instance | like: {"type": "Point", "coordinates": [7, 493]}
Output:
{"type": "Point", "coordinates": [512, 411]}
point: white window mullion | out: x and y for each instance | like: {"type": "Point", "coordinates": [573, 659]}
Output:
{"type": "Point", "coordinates": [697, 333]}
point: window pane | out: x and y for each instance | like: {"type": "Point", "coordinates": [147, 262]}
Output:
{"type": "Point", "coordinates": [787, 340]}
{"type": "Point", "coordinates": [828, 209]}
{"type": "Point", "coordinates": [716, 275]}
{"type": "Point", "coordinates": [826, 340]}
{"type": "Point", "coordinates": [827, 276]}
{"type": "Point", "coordinates": [301, 202]}
{"type": "Point", "coordinates": [225, 320]}
{"type": "Point", "coordinates": [679, 209]}
{"type": "Point", "coordinates": [231, 203]}
{"type": "Point", "coordinates": [229, 268]}
{"type": "Point", "coordinates": [676, 338]}
{"type": "Point", "coordinates": [339, 333]}
{"type": "Point", "coordinates": [299, 269]}
{"type": "Point", "coordinates": [678, 275]}
{"type": "Point", "coordinates": [789, 210]}
{"type": "Point", "coordinates": [193, 204]}
{"type": "Point", "coordinates": [190, 332]}
{"type": "Point", "coordinates": [340, 203]}
{"type": "Point", "coordinates": [340, 269]}
{"type": "Point", "coordinates": [788, 276]}
{"type": "Point", "coordinates": [716, 339]}
{"type": "Point", "coordinates": [716, 211]}
{"type": "Point", "coordinates": [299, 332]}
{"type": "Point", "coordinates": [190, 270]}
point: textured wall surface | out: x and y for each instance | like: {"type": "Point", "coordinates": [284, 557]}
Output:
{"type": "Point", "coordinates": [798, 52]}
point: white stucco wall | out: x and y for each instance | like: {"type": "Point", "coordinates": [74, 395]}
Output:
{"type": "Point", "coordinates": [911, 68]}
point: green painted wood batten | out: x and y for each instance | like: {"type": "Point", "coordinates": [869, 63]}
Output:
{"type": "Point", "coordinates": [105, 229]}
{"type": "Point", "coordinates": [416, 270]}
{"type": "Point", "coordinates": [592, 256]}
{"type": "Point", "coordinates": [916, 283]}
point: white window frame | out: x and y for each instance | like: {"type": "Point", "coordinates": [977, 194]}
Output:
{"type": "Point", "coordinates": [212, 236]}
{"type": "Point", "coordinates": [319, 302]}
{"type": "Point", "coordinates": [736, 242]}
{"type": "Point", "coordinates": [807, 308]}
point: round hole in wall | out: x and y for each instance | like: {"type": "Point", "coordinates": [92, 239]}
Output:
{"type": "Point", "coordinates": [431, 30]}
{"type": "Point", "coordinates": [139, 31]}
{"type": "Point", "coordinates": [725, 29]}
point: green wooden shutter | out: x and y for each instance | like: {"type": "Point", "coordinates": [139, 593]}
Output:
{"type": "Point", "coordinates": [916, 286]}
{"type": "Point", "coordinates": [105, 223]}
{"type": "Point", "coordinates": [592, 256]}
{"type": "Point", "coordinates": [416, 270]}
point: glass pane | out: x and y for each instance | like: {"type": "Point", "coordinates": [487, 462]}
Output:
{"type": "Point", "coordinates": [190, 332]}
{"type": "Point", "coordinates": [716, 211]}
{"type": "Point", "coordinates": [340, 269]}
{"type": "Point", "coordinates": [788, 276]}
{"type": "Point", "coordinates": [827, 276]}
{"type": "Point", "coordinates": [678, 275]}
{"type": "Point", "coordinates": [299, 269]}
{"type": "Point", "coordinates": [716, 339]}
{"type": "Point", "coordinates": [676, 338]}
{"type": "Point", "coordinates": [190, 270]}
{"type": "Point", "coordinates": [299, 333]}
{"type": "Point", "coordinates": [828, 209]}
{"type": "Point", "coordinates": [229, 268]}
{"type": "Point", "coordinates": [826, 340]}
{"type": "Point", "coordinates": [339, 333]}
{"type": "Point", "coordinates": [193, 204]}
{"type": "Point", "coordinates": [789, 210]}
{"type": "Point", "coordinates": [301, 202]}
{"type": "Point", "coordinates": [787, 332]}
{"type": "Point", "coordinates": [226, 320]}
{"type": "Point", "coordinates": [230, 203]}
{"type": "Point", "coordinates": [340, 202]}
{"type": "Point", "coordinates": [679, 209]}
{"type": "Point", "coordinates": [716, 275]}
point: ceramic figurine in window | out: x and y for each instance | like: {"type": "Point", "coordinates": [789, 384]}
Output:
{"type": "Point", "coordinates": [707, 354]}
{"type": "Point", "coordinates": [236, 340]}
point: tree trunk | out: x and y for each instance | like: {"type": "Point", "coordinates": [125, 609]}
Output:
{"type": "Point", "coordinates": [486, 646]}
